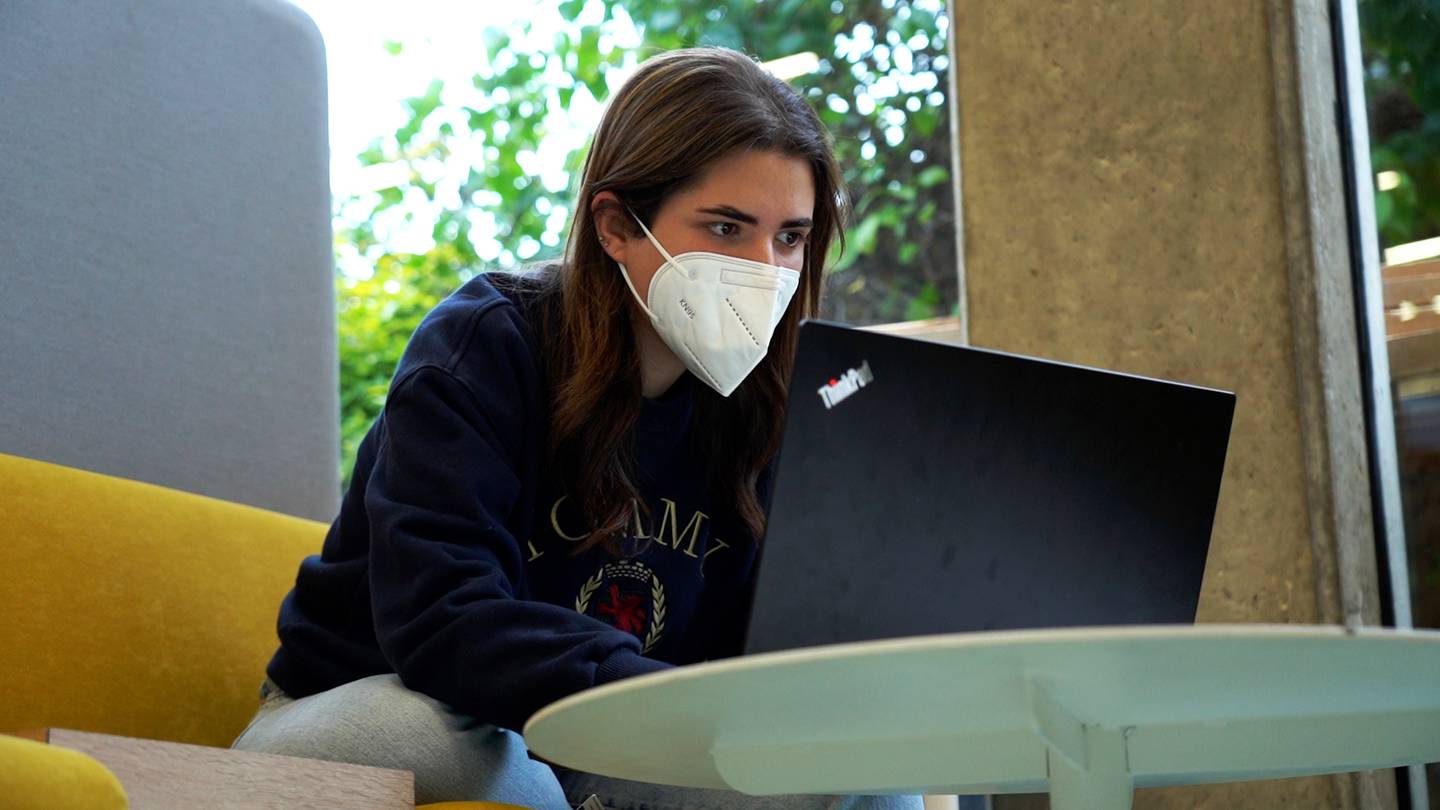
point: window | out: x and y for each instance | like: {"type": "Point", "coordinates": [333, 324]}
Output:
{"type": "Point", "coordinates": [1401, 70]}
{"type": "Point", "coordinates": [457, 129]}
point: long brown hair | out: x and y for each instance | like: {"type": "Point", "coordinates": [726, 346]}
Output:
{"type": "Point", "coordinates": [680, 113]}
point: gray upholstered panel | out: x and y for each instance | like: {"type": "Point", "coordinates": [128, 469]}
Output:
{"type": "Point", "coordinates": [166, 304]}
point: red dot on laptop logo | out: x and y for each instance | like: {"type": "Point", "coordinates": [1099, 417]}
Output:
{"type": "Point", "coordinates": [840, 388]}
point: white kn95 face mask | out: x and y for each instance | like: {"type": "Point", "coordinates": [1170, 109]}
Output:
{"type": "Point", "coordinates": [716, 312]}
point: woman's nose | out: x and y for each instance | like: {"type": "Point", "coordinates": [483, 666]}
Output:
{"type": "Point", "coordinates": [761, 250]}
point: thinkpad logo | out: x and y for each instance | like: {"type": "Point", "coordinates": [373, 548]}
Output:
{"type": "Point", "coordinates": [842, 387]}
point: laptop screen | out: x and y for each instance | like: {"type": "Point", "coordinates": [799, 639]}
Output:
{"type": "Point", "coordinates": [926, 488]}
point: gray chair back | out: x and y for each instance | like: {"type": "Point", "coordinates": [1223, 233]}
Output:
{"type": "Point", "coordinates": [166, 291]}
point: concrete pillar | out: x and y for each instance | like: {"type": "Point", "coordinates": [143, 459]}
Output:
{"type": "Point", "coordinates": [1155, 187]}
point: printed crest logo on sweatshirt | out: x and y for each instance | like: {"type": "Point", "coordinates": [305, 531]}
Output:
{"type": "Point", "coordinates": [628, 596]}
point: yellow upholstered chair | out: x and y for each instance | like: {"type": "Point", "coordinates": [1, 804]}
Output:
{"type": "Point", "coordinates": [36, 776]}
{"type": "Point", "coordinates": [130, 609]}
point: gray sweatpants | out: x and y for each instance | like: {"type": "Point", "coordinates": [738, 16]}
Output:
{"type": "Point", "coordinates": [376, 721]}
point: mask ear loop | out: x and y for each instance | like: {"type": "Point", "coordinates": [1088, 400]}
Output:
{"type": "Point", "coordinates": [625, 272]}
{"type": "Point", "coordinates": [643, 301]}
{"type": "Point", "coordinates": [669, 262]}
{"type": "Point", "coordinates": [656, 242]}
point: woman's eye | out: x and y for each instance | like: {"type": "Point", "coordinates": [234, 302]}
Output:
{"type": "Point", "coordinates": [793, 238]}
{"type": "Point", "coordinates": [724, 228]}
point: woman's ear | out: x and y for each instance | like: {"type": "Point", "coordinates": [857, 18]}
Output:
{"type": "Point", "coordinates": [611, 225]}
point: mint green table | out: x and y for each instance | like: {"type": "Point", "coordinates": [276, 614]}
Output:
{"type": "Point", "coordinates": [1087, 714]}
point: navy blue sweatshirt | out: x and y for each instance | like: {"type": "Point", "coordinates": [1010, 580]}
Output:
{"type": "Point", "coordinates": [451, 561]}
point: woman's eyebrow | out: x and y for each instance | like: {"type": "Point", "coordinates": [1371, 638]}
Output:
{"type": "Point", "coordinates": [736, 214]}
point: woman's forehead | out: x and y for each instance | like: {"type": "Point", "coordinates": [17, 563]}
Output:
{"type": "Point", "coordinates": [766, 185]}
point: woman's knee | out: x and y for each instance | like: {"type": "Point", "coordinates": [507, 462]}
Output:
{"type": "Point", "coordinates": [366, 721]}
{"type": "Point", "coordinates": [378, 722]}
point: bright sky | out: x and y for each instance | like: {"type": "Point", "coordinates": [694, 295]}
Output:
{"type": "Point", "coordinates": [367, 84]}
{"type": "Point", "coordinates": [441, 40]}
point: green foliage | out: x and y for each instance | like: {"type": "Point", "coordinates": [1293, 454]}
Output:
{"type": "Point", "coordinates": [1401, 43]}
{"type": "Point", "coordinates": [376, 317]}
{"type": "Point", "coordinates": [879, 88]}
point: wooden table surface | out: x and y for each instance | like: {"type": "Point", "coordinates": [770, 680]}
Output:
{"type": "Point", "coordinates": [165, 775]}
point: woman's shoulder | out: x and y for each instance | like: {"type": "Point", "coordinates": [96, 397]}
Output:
{"type": "Point", "coordinates": [487, 322]}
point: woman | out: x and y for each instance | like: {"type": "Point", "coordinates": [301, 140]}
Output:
{"type": "Point", "coordinates": [566, 485]}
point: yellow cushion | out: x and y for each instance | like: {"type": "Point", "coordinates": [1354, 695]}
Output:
{"type": "Point", "coordinates": [133, 609]}
{"type": "Point", "coordinates": [37, 776]}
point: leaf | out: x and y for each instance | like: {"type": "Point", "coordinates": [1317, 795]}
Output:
{"type": "Point", "coordinates": [863, 237]}
{"type": "Point", "coordinates": [373, 154]}
{"type": "Point", "coordinates": [496, 40]}
{"type": "Point", "coordinates": [597, 87]}
{"type": "Point", "coordinates": [925, 120]}
{"type": "Point", "coordinates": [924, 306]}
{"type": "Point", "coordinates": [1384, 209]}
{"type": "Point", "coordinates": [420, 108]}
{"type": "Point", "coordinates": [587, 55]}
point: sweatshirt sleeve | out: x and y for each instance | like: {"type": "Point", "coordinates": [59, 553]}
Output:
{"type": "Point", "coordinates": [444, 567]}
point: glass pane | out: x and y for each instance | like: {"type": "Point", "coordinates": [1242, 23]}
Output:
{"type": "Point", "coordinates": [1402, 88]}
{"type": "Point", "coordinates": [458, 129]}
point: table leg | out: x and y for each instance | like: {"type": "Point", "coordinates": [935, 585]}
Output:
{"type": "Point", "coordinates": [1104, 783]}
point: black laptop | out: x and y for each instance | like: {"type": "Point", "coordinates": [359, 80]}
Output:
{"type": "Point", "coordinates": [927, 488]}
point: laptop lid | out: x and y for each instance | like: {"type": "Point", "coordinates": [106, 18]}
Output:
{"type": "Point", "coordinates": [928, 488]}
